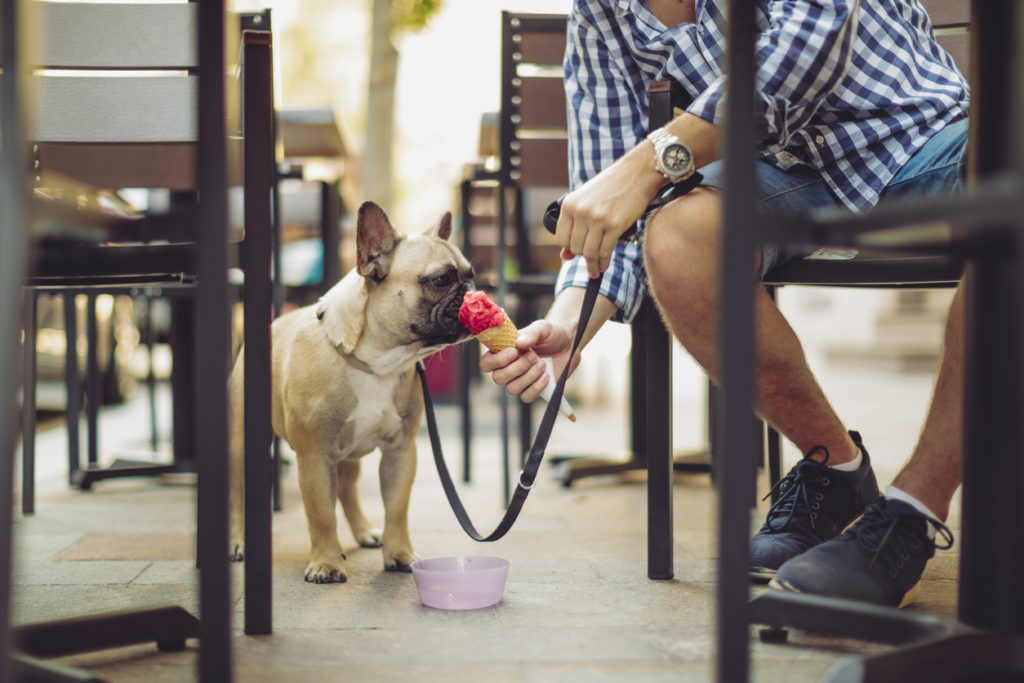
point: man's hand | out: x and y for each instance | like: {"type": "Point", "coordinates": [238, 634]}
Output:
{"type": "Point", "coordinates": [520, 370]}
{"type": "Point", "coordinates": [595, 215]}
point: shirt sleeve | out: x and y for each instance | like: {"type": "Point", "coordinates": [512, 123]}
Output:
{"type": "Point", "coordinates": [803, 53]}
{"type": "Point", "coordinates": [604, 123]}
{"type": "Point", "coordinates": [622, 282]}
{"type": "Point", "coordinates": [604, 120]}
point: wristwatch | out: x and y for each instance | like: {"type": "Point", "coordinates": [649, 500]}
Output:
{"type": "Point", "coordinates": [672, 158]}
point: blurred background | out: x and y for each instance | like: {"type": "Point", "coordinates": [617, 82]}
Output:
{"type": "Point", "coordinates": [443, 56]}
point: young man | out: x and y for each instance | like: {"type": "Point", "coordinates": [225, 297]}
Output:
{"type": "Point", "coordinates": [857, 104]}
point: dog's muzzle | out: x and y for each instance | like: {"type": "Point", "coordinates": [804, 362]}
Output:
{"type": "Point", "coordinates": [444, 326]}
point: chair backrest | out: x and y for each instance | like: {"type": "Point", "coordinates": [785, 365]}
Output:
{"type": "Point", "coordinates": [116, 94]}
{"type": "Point", "coordinates": [951, 19]}
{"type": "Point", "coordinates": [532, 130]}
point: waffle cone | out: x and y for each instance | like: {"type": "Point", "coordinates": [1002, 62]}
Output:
{"type": "Point", "coordinates": [499, 337]}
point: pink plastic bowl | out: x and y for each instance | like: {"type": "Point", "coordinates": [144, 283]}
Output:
{"type": "Point", "coordinates": [460, 582]}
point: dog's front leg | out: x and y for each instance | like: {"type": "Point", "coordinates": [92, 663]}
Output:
{"type": "Point", "coordinates": [397, 470]}
{"type": "Point", "coordinates": [348, 494]}
{"type": "Point", "coordinates": [318, 482]}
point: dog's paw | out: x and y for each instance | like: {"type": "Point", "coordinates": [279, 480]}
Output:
{"type": "Point", "coordinates": [369, 538]}
{"type": "Point", "coordinates": [400, 562]}
{"type": "Point", "coordinates": [323, 572]}
{"type": "Point", "coordinates": [237, 553]}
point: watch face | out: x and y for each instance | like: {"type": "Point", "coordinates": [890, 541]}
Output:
{"type": "Point", "coordinates": [676, 158]}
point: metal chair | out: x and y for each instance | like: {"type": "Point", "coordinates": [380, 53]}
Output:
{"type": "Point", "coordinates": [166, 130]}
{"type": "Point", "coordinates": [984, 228]}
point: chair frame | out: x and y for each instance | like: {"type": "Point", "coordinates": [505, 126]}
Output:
{"type": "Point", "coordinates": [170, 626]}
{"type": "Point", "coordinates": [985, 227]}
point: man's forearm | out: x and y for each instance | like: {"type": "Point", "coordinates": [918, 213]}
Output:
{"type": "Point", "coordinates": [566, 308]}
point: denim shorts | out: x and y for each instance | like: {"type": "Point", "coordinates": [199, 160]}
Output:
{"type": "Point", "coordinates": [934, 171]}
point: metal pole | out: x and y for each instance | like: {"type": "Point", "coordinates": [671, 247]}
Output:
{"type": "Point", "coordinates": [259, 169]}
{"type": "Point", "coordinates": [14, 218]}
{"type": "Point", "coordinates": [992, 536]}
{"type": "Point", "coordinates": [733, 462]}
{"type": "Point", "coordinates": [72, 387]}
{"type": "Point", "coordinates": [28, 400]}
{"type": "Point", "coordinates": [212, 353]}
{"type": "Point", "coordinates": [92, 380]}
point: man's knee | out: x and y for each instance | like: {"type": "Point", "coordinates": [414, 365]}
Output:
{"type": "Point", "coordinates": [681, 240]}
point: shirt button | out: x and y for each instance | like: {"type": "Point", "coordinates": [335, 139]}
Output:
{"type": "Point", "coordinates": [820, 139]}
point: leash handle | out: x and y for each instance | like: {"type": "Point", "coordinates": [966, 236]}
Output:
{"type": "Point", "coordinates": [528, 476]}
{"type": "Point", "coordinates": [667, 194]}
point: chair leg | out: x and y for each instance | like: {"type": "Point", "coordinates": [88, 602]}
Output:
{"type": "Point", "coordinates": [28, 400]}
{"type": "Point", "coordinates": [73, 405]}
{"type": "Point", "coordinates": [92, 379]}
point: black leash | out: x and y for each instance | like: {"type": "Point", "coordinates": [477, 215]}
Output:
{"type": "Point", "coordinates": [528, 477]}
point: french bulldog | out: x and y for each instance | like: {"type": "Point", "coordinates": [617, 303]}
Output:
{"type": "Point", "coordinates": [344, 384]}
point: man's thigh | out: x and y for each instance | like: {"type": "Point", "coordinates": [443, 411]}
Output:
{"type": "Point", "coordinates": [798, 190]}
{"type": "Point", "coordinates": [935, 171]}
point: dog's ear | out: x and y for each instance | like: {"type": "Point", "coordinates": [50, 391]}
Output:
{"type": "Point", "coordinates": [443, 227]}
{"type": "Point", "coordinates": [342, 311]}
{"type": "Point", "coordinates": [376, 240]}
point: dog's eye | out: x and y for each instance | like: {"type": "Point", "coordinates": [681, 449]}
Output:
{"type": "Point", "coordinates": [440, 281]}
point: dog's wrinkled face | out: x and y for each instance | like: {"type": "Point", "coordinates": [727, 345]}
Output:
{"type": "Point", "coordinates": [442, 290]}
{"type": "Point", "coordinates": [416, 283]}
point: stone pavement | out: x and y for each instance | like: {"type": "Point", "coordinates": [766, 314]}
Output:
{"type": "Point", "coordinates": [577, 607]}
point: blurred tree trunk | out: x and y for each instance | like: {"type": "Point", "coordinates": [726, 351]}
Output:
{"type": "Point", "coordinates": [380, 107]}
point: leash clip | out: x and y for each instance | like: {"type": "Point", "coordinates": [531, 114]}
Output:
{"type": "Point", "coordinates": [524, 486]}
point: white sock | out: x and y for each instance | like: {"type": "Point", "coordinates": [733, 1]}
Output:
{"type": "Point", "coordinates": [893, 493]}
{"type": "Point", "coordinates": [852, 465]}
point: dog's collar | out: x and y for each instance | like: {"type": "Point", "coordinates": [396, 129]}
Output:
{"type": "Point", "coordinates": [352, 358]}
{"type": "Point", "coordinates": [355, 361]}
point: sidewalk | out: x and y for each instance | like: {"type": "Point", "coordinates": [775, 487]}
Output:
{"type": "Point", "coordinates": [578, 605]}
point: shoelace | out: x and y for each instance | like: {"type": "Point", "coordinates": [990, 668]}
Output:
{"type": "Point", "coordinates": [880, 532]}
{"type": "Point", "coordinates": [795, 489]}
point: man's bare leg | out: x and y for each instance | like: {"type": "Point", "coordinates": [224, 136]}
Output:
{"type": "Point", "coordinates": [932, 474]}
{"type": "Point", "coordinates": [682, 259]}
{"type": "Point", "coordinates": [863, 565]}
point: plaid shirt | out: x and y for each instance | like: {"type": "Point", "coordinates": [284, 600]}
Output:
{"type": "Point", "coordinates": [851, 87]}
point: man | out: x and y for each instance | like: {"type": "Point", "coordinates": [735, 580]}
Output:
{"type": "Point", "coordinates": [857, 104]}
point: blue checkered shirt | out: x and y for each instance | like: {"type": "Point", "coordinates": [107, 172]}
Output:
{"type": "Point", "coordinates": [851, 88]}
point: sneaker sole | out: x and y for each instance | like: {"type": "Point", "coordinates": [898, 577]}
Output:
{"type": "Point", "coordinates": [908, 598]}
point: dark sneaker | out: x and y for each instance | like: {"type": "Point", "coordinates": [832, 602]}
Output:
{"type": "Point", "coordinates": [879, 559]}
{"type": "Point", "coordinates": [815, 504]}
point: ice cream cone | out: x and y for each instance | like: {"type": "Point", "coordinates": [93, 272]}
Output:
{"type": "Point", "coordinates": [499, 337]}
{"type": "Point", "coordinates": [492, 328]}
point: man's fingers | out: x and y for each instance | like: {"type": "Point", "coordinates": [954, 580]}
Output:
{"type": "Point", "coordinates": [528, 385]}
{"type": "Point", "coordinates": [563, 229]}
{"type": "Point", "coordinates": [607, 247]}
{"type": "Point", "coordinates": [512, 371]}
{"type": "Point", "coordinates": [491, 361]}
{"type": "Point", "coordinates": [592, 252]}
